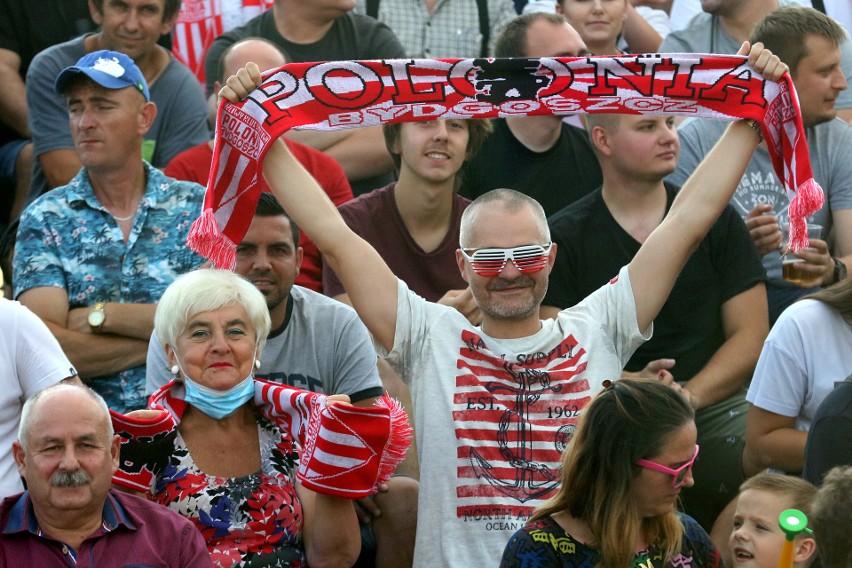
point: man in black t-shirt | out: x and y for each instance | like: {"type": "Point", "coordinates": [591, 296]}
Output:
{"type": "Point", "coordinates": [708, 334]}
{"type": "Point", "coordinates": [540, 156]}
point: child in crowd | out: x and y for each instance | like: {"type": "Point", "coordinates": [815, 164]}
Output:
{"type": "Point", "coordinates": [757, 539]}
{"type": "Point", "coordinates": [832, 518]}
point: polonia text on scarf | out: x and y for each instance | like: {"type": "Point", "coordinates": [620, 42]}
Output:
{"type": "Point", "coordinates": [349, 94]}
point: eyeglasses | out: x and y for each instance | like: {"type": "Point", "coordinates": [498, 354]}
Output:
{"type": "Point", "coordinates": [490, 262]}
{"type": "Point", "coordinates": [678, 475]}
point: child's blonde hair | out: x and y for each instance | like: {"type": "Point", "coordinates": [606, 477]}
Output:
{"type": "Point", "coordinates": [800, 493]}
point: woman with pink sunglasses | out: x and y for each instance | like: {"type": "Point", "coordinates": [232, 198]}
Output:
{"type": "Point", "coordinates": [632, 452]}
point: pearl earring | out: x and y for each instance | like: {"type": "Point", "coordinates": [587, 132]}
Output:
{"type": "Point", "coordinates": [175, 370]}
{"type": "Point", "coordinates": [257, 364]}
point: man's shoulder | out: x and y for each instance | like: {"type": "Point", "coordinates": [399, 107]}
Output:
{"type": "Point", "coordinates": [317, 308]}
{"type": "Point", "coordinates": [199, 153]}
{"type": "Point", "coordinates": [149, 513]}
{"type": "Point", "coordinates": [166, 187]}
{"type": "Point", "coordinates": [7, 504]}
{"type": "Point", "coordinates": [254, 27]}
{"type": "Point", "coordinates": [706, 130]}
{"type": "Point", "coordinates": [567, 217]}
{"type": "Point", "coordinates": [311, 158]}
{"type": "Point", "coordinates": [370, 38]}
{"type": "Point", "coordinates": [827, 135]}
{"type": "Point", "coordinates": [306, 298]}
{"type": "Point", "coordinates": [691, 37]}
{"type": "Point", "coordinates": [574, 132]}
{"type": "Point", "coordinates": [359, 22]}
{"type": "Point", "coordinates": [175, 73]}
{"type": "Point", "coordinates": [57, 56]}
{"type": "Point", "coordinates": [57, 199]}
{"type": "Point", "coordinates": [372, 203]}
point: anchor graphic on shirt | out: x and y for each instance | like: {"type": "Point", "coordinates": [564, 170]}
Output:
{"type": "Point", "coordinates": [532, 479]}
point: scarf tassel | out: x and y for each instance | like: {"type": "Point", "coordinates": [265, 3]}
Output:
{"type": "Point", "coordinates": [809, 198]}
{"type": "Point", "coordinates": [346, 451]}
{"type": "Point", "coordinates": [399, 440]}
{"type": "Point", "coordinates": [209, 241]}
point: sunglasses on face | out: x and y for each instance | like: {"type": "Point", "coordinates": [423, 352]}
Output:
{"type": "Point", "coordinates": [678, 475]}
{"type": "Point", "coordinates": [490, 262]}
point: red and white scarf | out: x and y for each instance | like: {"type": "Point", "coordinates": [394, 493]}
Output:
{"type": "Point", "coordinates": [350, 94]}
{"type": "Point", "coordinates": [345, 451]}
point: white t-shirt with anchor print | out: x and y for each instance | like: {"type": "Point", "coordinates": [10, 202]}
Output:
{"type": "Point", "coordinates": [493, 415]}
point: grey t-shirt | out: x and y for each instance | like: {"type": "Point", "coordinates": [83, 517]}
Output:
{"type": "Point", "coordinates": [322, 347]}
{"type": "Point", "coordinates": [181, 120]}
{"type": "Point", "coordinates": [704, 34]}
{"type": "Point", "coordinates": [830, 145]}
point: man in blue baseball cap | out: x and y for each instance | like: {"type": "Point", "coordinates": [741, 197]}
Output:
{"type": "Point", "coordinates": [131, 27]}
{"type": "Point", "coordinates": [93, 257]}
{"type": "Point", "coordinates": [109, 69]}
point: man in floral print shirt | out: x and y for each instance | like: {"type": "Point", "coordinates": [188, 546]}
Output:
{"type": "Point", "coordinates": [93, 257]}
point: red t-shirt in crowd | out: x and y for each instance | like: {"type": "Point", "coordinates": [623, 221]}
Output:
{"type": "Point", "coordinates": [193, 164]}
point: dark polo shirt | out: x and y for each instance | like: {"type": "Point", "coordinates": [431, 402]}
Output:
{"type": "Point", "coordinates": [134, 533]}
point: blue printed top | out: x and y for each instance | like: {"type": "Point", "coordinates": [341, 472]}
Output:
{"type": "Point", "coordinates": [544, 544]}
{"type": "Point", "coordinates": [68, 239]}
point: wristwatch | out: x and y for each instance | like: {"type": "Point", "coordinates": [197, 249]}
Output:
{"type": "Point", "coordinates": [97, 316]}
{"type": "Point", "coordinates": [839, 270]}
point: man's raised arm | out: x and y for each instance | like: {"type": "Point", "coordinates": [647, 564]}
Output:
{"type": "Point", "coordinates": [368, 281]}
{"type": "Point", "coordinates": [656, 266]}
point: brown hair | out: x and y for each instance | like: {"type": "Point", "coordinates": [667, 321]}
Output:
{"type": "Point", "coordinates": [170, 8]}
{"type": "Point", "coordinates": [478, 130]}
{"type": "Point", "coordinates": [832, 518]}
{"type": "Point", "coordinates": [785, 30]}
{"type": "Point", "coordinates": [512, 41]}
{"type": "Point", "coordinates": [838, 296]}
{"type": "Point", "coordinates": [629, 420]}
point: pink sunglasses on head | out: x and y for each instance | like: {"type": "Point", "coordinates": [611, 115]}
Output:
{"type": "Point", "coordinates": [678, 475]}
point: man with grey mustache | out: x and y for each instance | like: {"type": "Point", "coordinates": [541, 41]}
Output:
{"type": "Point", "coordinates": [67, 452]}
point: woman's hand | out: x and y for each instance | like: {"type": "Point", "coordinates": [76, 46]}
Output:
{"type": "Point", "coordinates": [237, 87]}
{"type": "Point", "coordinates": [144, 414]}
{"type": "Point", "coordinates": [339, 399]}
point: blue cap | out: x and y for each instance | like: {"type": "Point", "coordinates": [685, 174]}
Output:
{"type": "Point", "coordinates": [109, 69]}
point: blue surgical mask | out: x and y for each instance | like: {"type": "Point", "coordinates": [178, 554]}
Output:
{"type": "Point", "coordinates": [215, 403]}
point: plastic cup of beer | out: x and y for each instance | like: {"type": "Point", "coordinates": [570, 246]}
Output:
{"type": "Point", "coordinates": [790, 263]}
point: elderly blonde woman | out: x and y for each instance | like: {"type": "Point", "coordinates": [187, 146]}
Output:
{"type": "Point", "coordinates": [230, 464]}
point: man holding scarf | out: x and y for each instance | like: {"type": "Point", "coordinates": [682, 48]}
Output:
{"type": "Point", "coordinates": [810, 43]}
{"type": "Point", "coordinates": [496, 404]}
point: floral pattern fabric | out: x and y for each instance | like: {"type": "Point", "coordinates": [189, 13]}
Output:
{"type": "Point", "coordinates": [545, 544]}
{"type": "Point", "coordinates": [249, 522]}
{"type": "Point", "coordinates": [68, 239]}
